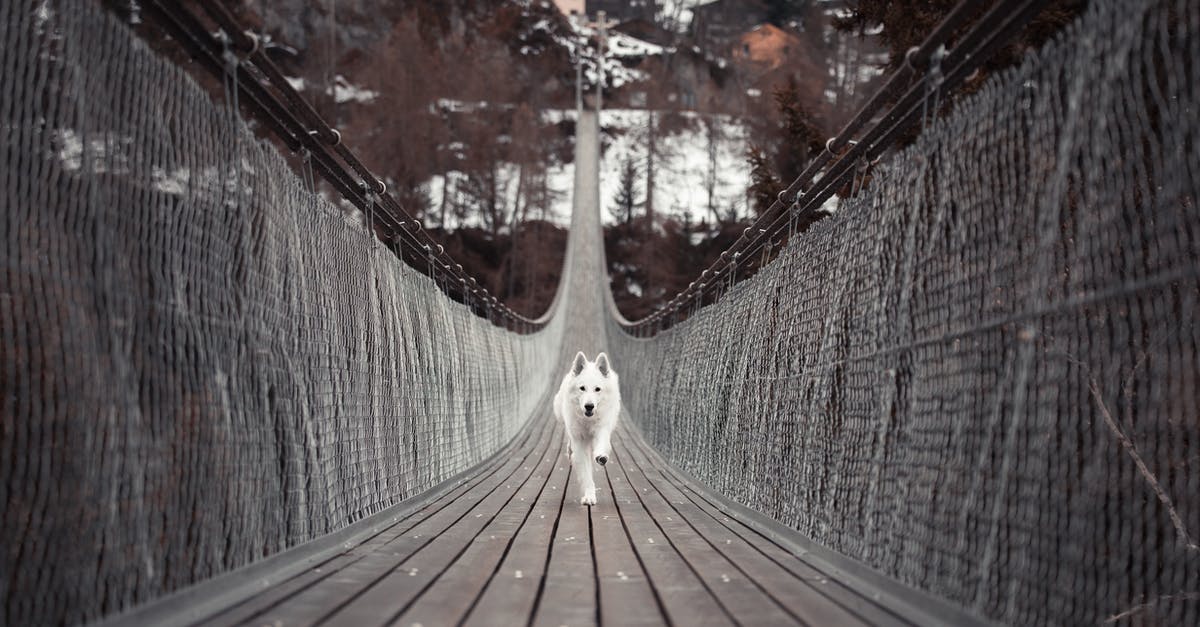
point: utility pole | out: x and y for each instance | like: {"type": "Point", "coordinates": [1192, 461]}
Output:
{"type": "Point", "coordinates": [575, 18]}
{"type": "Point", "coordinates": [602, 29]}
{"type": "Point", "coordinates": [601, 25]}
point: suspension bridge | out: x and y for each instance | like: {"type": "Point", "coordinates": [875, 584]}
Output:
{"type": "Point", "coordinates": [968, 397]}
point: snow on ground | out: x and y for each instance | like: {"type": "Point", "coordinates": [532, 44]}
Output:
{"type": "Point", "coordinates": [554, 116]}
{"type": "Point", "coordinates": [620, 49]}
{"type": "Point", "coordinates": [678, 13]}
{"type": "Point", "coordinates": [450, 105]}
{"type": "Point", "coordinates": [344, 91]}
{"type": "Point", "coordinates": [683, 171]}
{"type": "Point", "coordinates": [622, 45]}
{"type": "Point", "coordinates": [560, 181]}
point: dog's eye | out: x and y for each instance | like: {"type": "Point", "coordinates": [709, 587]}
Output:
{"type": "Point", "coordinates": [597, 389]}
{"type": "Point", "coordinates": [582, 389]}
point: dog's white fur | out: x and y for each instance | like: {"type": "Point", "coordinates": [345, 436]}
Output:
{"type": "Point", "coordinates": [588, 403]}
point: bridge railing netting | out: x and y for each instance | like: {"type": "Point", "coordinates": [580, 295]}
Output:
{"type": "Point", "coordinates": [982, 375]}
{"type": "Point", "coordinates": [201, 362]}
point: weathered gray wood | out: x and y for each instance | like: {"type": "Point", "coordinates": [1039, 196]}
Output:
{"type": "Point", "coordinates": [569, 594]}
{"type": "Point", "coordinates": [511, 593]}
{"type": "Point", "coordinates": [738, 595]}
{"type": "Point", "coordinates": [803, 592]}
{"type": "Point", "coordinates": [871, 610]}
{"type": "Point", "coordinates": [392, 593]}
{"type": "Point", "coordinates": [245, 593]}
{"type": "Point", "coordinates": [254, 606]}
{"type": "Point", "coordinates": [513, 546]}
{"type": "Point", "coordinates": [384, 563]}
{"type": "Point", "coordinates": [452, 594]}
{"type": "Point", "coordinates": [626, 596]}
{"type": "Point", "coordinates": [684, 597]}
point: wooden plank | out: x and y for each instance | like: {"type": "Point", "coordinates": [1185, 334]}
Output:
{"type": "Point", "coordinates": [569, 594]}
{"type": "Point", "coordinates": [737, 593]}
{"type": "Point", "coordinates": [802, 597]}
{"type": "Point", "coordinates": [684, 598]}
{"type": "Point", "coordinates": [833, 599]}
{"type": "Point", "coordinates": [283, 590]}
{"type": "Point", "coordinates": [514, 547]}
{"type": "Point", "coordinates": [512, 591]}
{"type": "Point", "coordinates": [450, 597]}
{"type": "Point", "coordinates": [389, 595]}
{"type": "Point", "coordinates": [626, 596]}
{"type": "Point", "coordinates": [386, 555]}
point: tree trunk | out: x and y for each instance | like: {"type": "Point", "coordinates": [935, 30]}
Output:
{"type": "Point", "coordinates": [518, 217]}
{"type": "Point", "coordinates": [651, 150]}
{"type": "Point", "coordinates": [446, 183]}
{"type": "Point", "coordinates": [710, 180]}
{"type": "Point", "coordinates": [495, 212]}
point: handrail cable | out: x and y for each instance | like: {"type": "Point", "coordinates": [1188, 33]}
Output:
{"type": "Point", "coordinates": [993, 30]}
{"type": "Point", "coordinates": [293, 119]}
{"type": "Point", "coordinates": [880, 137]}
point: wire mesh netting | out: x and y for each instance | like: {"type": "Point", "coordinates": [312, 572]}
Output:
{"type": "Point", "coordinates": [979, 377]}
{"type": "Point", "coordinates": [982, 375]}
{"type": "Point", "coordinates": [201, 362]}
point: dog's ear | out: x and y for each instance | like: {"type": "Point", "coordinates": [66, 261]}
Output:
{"type": "Point", "coordinates": [602, 364]}
{"type": "Point", "coordinates": [580, 361]}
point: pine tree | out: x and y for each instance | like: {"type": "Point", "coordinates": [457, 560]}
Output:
{"type": "Point", "coordinates": [764, 183]}
{"type": "Point", "coordinates": [904, 25]}
{"type": "Point", "coordinates": [798, 142]}
{"type": "Point", "coordinates": [801, 140]}
{"type": "Point", "coordinates": [626, 200]}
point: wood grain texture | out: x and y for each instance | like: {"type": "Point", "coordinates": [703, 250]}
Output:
{"type": "Point", "coordinates": [513, 546]}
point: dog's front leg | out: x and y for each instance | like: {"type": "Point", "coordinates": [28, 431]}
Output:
{"type": "Point", "coordinates": [581, 461]}
{"type": "Point", "coordinates": [603, 449]}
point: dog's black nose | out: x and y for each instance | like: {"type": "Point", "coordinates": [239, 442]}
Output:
{"type": "Point", "coordinates": [601, 459]}
{"type": "Point", "coordinates": [588, 408]}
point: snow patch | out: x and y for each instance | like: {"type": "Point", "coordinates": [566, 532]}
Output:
{"type": "Point", "coordinates": [688, 164]}
{"type": "Point", "coordinates": [343, 91]}
{"type": "Point", "coordinates": [677, 14]}
{"type": "Point", "coordinates": [560, 181]}
{"type": "Point", "coordinates": [622, 45]}
{"type": "Point", "coordinates": [622, 51]}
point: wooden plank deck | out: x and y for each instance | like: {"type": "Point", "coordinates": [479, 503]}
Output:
{"type": "Point", "coordinates": [512, 546]}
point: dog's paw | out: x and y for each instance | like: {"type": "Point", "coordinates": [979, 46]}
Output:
{"type": "Point", "coordinates": [588, 498]}
{"type": "Point", "coordinates": [602, 459]}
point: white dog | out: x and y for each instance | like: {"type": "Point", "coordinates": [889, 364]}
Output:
{"type": "Point", "coordinates": [588, 403]}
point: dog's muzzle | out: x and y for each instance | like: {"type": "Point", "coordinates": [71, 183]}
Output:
{"type": "Point", "coordinates": [587, 409]}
